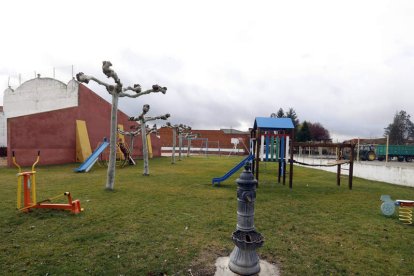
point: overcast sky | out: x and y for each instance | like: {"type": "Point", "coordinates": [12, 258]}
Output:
{"type": "Point", "coordinates": [346, 64]}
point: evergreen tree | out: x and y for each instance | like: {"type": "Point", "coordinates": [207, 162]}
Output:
{"type": "Point", "coordinates": [291, 113]}
{"type": "Point", "coordinates": [401, 129]}
{"type": "Point", "coordinates": [303, 134]}
{"type": "Point", "coordinates": [280, 113]}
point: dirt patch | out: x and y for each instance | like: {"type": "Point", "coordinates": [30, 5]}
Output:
{"type": "Point", "coordinates": [204, 265]}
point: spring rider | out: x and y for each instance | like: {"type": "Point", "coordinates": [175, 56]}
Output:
{"type": "Point", "coordinates": [27, 180]}
{"type": "Point", "coordinates": [405, 208]}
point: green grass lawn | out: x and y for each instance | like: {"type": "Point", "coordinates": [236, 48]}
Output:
{"type": "Point", "coordinates": [174, 222]}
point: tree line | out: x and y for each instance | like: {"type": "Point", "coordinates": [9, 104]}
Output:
{"type": "Point", "coordinates": [305, 131]}
{"type": "Point", "coordinates": [400, 131]}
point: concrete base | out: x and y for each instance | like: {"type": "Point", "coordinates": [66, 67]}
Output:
{"type": "Point", "coordinates": [266, 269]}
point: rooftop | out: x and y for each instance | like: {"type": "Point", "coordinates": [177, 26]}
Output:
{"type": "Point", "coordinates": [269, 123]}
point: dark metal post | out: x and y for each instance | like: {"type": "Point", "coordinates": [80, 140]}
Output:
{"type": "Point", "coordinates": [338, 171]}
{"type": "Point", "coordinates": [284, 159]}
{"type": "Point", "coordinates": [338, 175]}
{"type": "Point", "coordinates": [279, 159]}
{"type": "Point", "coordinates": [253, 148]}
{"type": "Point", "coordinates": [258, 142]}
{"type": "Point", "coordinates": [351, 167]}
{"type": "Point", "coordinates": [244, 259]}
{"type": "Point", "coordinates": [291, 159]}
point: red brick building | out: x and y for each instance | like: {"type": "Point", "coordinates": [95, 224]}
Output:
{"type": "Point", "coordinates": [54, 132]}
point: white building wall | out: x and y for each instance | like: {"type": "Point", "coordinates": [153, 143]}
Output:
{"type": "Point", "coordinates": [36, 96]}
{"type": "Point", "coordinates": [3, 141]}
{"type": "Point", "coordinates": [393, 172]}
{"type": "Point", "coordinates": [40, 95]}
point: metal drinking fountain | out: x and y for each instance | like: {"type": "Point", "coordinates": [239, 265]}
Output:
{"type": "Point", "coordinates": [244, 259]}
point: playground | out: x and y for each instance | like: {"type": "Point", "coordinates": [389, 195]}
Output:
{"type": "Point", "coordinates": [175, 222]}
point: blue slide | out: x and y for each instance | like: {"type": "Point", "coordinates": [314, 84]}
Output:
{"type": "Point", "coordinates": [88, 164]}
{"type": "Point", "coordinates": [232, 171]}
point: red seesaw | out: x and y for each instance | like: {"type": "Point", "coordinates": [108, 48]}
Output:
{"type": "Point", "coordinates": [29, 193]}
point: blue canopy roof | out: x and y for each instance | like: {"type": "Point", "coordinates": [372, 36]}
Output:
{"type": "Point", "coordinates": [269, 123]}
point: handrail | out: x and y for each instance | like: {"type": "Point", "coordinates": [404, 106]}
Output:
{"type": "Point", "coordinates": [37, 160]}
{"type": "Point", "coordinates": [15, 163]}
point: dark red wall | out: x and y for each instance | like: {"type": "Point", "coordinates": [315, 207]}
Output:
{"type": "Point", "coordinates": [54, 132]}
{"type": "Point", "coordinates": [213, 136]}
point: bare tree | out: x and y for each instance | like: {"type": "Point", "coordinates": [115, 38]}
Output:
{"type": "Point", "coordinates": [116, 90]}
{"type": "Point", "coordinates": [143, 120]}
{"type": "Point", "coordinates": [180, 129]}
